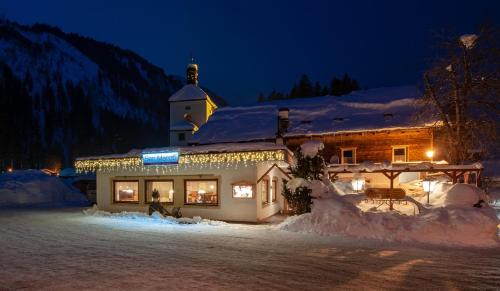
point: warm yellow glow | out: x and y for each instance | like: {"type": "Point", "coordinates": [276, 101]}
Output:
{"type": "Point", "coordinates": [9, 170]}
{"type": "Point", "coordinates": [429, 154]}
{"type": "Point", "coordinates": [92, 165]}
{"type": "Point", "coordinates": [259, 156]}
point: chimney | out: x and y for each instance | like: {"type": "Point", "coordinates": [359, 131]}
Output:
{"type": "Point", "coordinates": [283, 123]}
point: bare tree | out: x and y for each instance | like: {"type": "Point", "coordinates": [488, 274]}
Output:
{"type": "Point", "coordinates": [462, 92]}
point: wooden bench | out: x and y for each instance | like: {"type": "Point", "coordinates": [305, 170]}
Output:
{"type": "Point", "coordinates": [386, 196]}
{"type": "Point", "coordinates": [385, 193]}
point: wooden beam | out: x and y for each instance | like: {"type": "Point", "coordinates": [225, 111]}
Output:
{"type": "Point", "coordinates": [269, 170]}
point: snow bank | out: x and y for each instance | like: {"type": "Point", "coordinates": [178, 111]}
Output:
{"type": "Point", "coordinates": [464, 195]}
{"type": "Point", "coordinates": [155, 217]}
{"type": "Point", "coordinates": [456, 224]}
{"type": "Point", "coordinates": [34, 187]}
{"type": "Point", "coordinates": [457, 195]}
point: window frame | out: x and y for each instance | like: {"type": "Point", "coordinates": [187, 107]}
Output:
{"type": "Point", "coordinates": [201, 204]}
{"type": "Point", "coordinates": [126, 202]}
{"type": "Point", "coordinates": [266, 181]}
{"type": "Point", "coordinates": [243, 183]}
{"type": "Point", "coordinates": [274, 193]}
{"type": "Point", "coordinates": [407, 153]}
{"type": "Point", "coordinates": [158, 180]}
{"type": "Point", "coordinates": [354, 155]}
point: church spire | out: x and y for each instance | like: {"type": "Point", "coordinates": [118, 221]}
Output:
{"type": "Point", "coordinates": [192, 73]}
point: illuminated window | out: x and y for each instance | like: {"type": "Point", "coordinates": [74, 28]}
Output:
{"type": "Point", "coordinates": [399, 154]}
{"type": "Point", "coordinates": [242, 190]}
{"type": "Point", "coordinates": [264, 191]}
{"type": "Point", "coordinates": [274, 190]}
{"type": "Point", "coordinates": [165, 188]}
{"type": "Point", "coordinates": [201, 192]}
{"type": "Point", "coordinates": [126, 191]}
{"type": "Point", "coordinates": [349, 156]}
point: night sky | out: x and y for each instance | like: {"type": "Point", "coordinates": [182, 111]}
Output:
{"type": "Point", "coordinates": [244, 48]}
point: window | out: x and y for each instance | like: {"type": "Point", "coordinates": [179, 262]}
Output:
{"type": "Point", "coordinates": [126, 191]}
{"type": "Point", "coordinates": [242, 190]}
{"type": "Point", "coordinates": [274, 190]}
{"type": "Point", "coordinates": [201, 192]}
{"type": "Point", "coordinates": [264, 191]}
{"type": "Point", "coordinates": [181, 136]}
{"type": "Point", "coordinates": [399, 154]}
{"type": "Point", "coordinates": [349, 156]}
{"type": "Point", "coordinates": [166, 189]}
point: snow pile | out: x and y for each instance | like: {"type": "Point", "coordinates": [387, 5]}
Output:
{"type": "Point", "coordinates": [34, 187]}
{"type": "Point", "coordinates": [457, 195]}
{"type": "Point", "coordinates": [311, 148]}
{"type": "Point", "coordinates": [458, 223]}
{"type": "Point", "coordinates": [464, 195]}
{"type": "Point", "coordinates": [155, 217]}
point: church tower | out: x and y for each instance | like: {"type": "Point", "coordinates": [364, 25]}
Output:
{"type": "Point", "coordinates": [192, 73]}
{"type": "Point", "coordinates": [190, 108]}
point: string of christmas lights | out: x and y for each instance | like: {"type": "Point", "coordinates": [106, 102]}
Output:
{"type": "Point", "coordinates": [194, 161]}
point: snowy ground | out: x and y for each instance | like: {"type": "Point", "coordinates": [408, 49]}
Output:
{"type": "Point", "coordinates": [60, 249]}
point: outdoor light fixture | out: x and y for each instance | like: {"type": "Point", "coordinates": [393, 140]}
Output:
{"type": "Point", "coordinates": [430, 154]}
{"type": "Point", "coordinates": [358, 183]}
{"type": "Point", "coordinates": [428, 185]}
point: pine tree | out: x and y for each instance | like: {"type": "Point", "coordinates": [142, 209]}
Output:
{"type": "Point", "coordinates": [294, 93]}
{"type": "Point", "coordinates": [261, 98]}
{"type": "Point", "coordinates": [305, 88]}
{"type": "Point", "coordinates": [317, 89]}
{"type": "Point", "coordinates": [308, 168]}
{"type": "Point", "coordinates": [325, 91]}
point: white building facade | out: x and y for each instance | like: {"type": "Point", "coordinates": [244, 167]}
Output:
{"type": "Point", "coordinates": [190, 108]}
{"type": "Point", "coordinates": [232, 182]}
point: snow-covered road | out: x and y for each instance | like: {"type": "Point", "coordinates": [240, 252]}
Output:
{"type": "Point", "coordinates": [63, 249]}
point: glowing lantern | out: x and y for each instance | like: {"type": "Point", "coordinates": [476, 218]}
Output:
{"type": "Point", "coordinates": [358, 183]}
{"type": "Point", "coordinates": [429, 154]}
{"type": "Point", "coordinates": [428, 185]}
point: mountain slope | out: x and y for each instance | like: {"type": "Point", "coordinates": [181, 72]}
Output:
{"type": "Point", "coordinates": [64, 95]}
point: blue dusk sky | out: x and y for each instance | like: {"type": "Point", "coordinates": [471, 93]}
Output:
{"type": "Point", "coordinates": [247, 47]}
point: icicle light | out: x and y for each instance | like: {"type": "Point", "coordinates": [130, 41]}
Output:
{"type": "Point", "coordinates": [194, 161]}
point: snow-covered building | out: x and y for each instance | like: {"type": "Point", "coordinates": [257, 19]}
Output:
{"type": "Point", "coordinates": [190, 108]}
{"type": "Point", "coordinates": [373, 125]}
{"type": "Point", "coordinates": [237, 182]}
{"type": "Point", "coordinates": [237, 157]}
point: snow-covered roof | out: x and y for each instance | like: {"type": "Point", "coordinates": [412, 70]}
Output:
{"type": "Point", "coordinates": [189, 92]}
{"type": "Point", "coordinates": [408, 167]}
{"type": "Point", "coordinates": [199, 149]}
{"type": "Point", "coordinates": [374, 109]}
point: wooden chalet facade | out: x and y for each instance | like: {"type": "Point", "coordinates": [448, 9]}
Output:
{"type": "Point", "coordinates": [399, 145]}
{"type": "Point", "coordinates": [374, 125]}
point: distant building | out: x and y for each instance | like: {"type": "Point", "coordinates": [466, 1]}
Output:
{"type": "Point", "coordinates": [190, 108]}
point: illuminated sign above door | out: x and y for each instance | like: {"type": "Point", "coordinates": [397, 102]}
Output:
{"type": "Point", "coordinates": [160, 158]}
